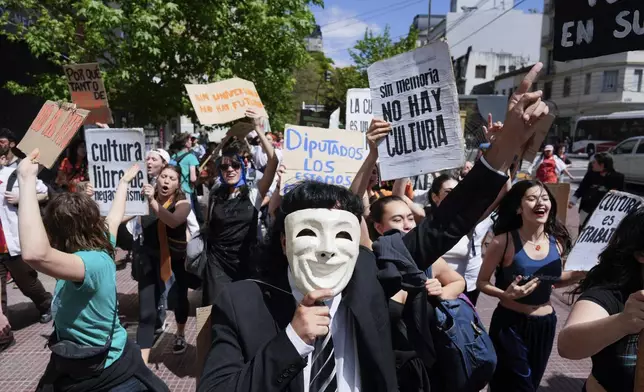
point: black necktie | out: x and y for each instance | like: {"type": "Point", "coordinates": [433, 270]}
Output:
{"type": "Point", "coordinates": [323, 377]}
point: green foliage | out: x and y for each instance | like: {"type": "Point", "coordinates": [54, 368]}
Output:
{"type": "Point", "coordinates": [343, 79]}
{"type": "Point", "coordinates": [148, 49]}
{"type": "Point", "coordinates": [311, 83]}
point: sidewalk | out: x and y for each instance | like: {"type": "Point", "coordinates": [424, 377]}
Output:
{"type": "Point", "coordinates": [22, 365]}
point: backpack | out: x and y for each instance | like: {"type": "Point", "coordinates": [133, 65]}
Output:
{"type": "Point", "coordinates": [11, 181]}
{"type": "Point", "coordinates": [467, 358]}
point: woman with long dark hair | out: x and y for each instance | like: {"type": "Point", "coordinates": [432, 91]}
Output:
{"type": "Point", "coordinates": [606, 320]}
{"type": "Point", "coordinates": [73, 169]}
{"type": "Point", "coordinates": [162, 253]}
{"type": "Point", "coordinates": [526, 256]}
{"type": "Point", "coordinates": [76, 245]}
{"type": "Point", "coordinates": [233, 211]}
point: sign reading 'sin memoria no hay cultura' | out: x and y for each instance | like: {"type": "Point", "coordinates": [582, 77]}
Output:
{"type": "Point", "coordinates": [600, 228]}
{"type": "Point", "coordinates": [225, 101]}
{"type": "Point", "coordinates": [416, 93]}
{"type": "Point", "coordinates": [332, 156]}
{"type": "Point", "coordinates": [592, 28]}
{"type": "Point", "coordinates": [110, 153]}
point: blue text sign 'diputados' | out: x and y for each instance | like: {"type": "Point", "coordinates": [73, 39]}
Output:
{"type": "Point", "coordinates": [325, 155]}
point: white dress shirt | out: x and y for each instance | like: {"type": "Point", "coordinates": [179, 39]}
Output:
{"type": "Point", "coordinates": [344, 343]}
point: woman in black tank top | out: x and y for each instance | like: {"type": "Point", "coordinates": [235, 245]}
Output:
{"type": "Point", "coordinates": [163, 252]}
{"type": "Point", "coordinates": [526, 255]}
{"type": "Point", "coordinates": [606, 320]}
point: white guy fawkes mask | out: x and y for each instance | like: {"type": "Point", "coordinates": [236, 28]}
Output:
{"type": "Point", "coordinates": [322, 248]}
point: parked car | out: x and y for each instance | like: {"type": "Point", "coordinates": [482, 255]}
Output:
{"type": "Point", "coordinates": [628, 157]}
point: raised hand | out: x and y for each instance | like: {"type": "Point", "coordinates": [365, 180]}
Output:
{"type": "Point", "coordinates": [377, 131]}
{"type": "Point", "coordinates": [28, 167]}
{"type": "Point", "coordinates": [492, 129]}
{"type": "Point", "coordinates": [258, 120]}
{"type": "Point", "coordinates": [131, 173]}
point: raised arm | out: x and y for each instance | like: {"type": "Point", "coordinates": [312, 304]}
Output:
{"type": "Point", "coordinates": [465, 205]}
{"type": "Point", "coordinates": [265, 183]}
{"type": "Point", "coordinates": [171, 219]}
{"type": "Point", "coordinates": [377, 131]}
{"type": "Point", "coordinates": [115, 216]}
{"type": "Point", "coordinates": [34, 242]}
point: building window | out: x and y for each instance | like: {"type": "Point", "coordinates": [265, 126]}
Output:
{"type": "Point", "coordinates": [547, 90]}
{"type": "Point", "coordinates": [610, 81]}
{"type": "Point", "coordinates": [566, 86]}
{"type": "Point", "coordinates": [638, 80]}
{"type": "Point", "coordinates": [501, 69]}
{"type": "Point", "coordinates": [589, 77]}
{"type": "Point", "coordinates": [480, 72]}
{"type": "Point", "coordinates": [513, 68]}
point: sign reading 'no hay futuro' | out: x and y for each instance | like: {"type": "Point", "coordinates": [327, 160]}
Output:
{"type": "Point", "coordinates": [332, 156]}
{"type": "Point", "coordinates": [600, 228]}
{"type": "Point", "coordinates": [592, 28]}
{"type": "Point", "coordinates": [416, 93]}
{"type": "Point", "coordinates": [110, 153]}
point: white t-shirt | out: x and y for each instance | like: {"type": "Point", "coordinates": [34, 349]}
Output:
{"type": "Point", "coordinates": [458, 257]}
{"type": "Point", "coordinates": [476, 256]}
{"type": "Point", "coordinates": [260, 159]}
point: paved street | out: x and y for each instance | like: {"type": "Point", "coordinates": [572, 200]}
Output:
{"type": "Point", "coordinates": [22, 365]}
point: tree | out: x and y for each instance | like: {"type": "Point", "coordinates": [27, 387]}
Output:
{"type": "Point", "coordinates": [342, 79]}
{"type": "Point", "coordinates": [149, 49]}
{"type": "Point", "coordinates": [310, 81]}
{"type": "Point", "coordinates": [375, 47]}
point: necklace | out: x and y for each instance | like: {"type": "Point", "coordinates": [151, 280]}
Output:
{"type": "Point", "coordinates": [536, 245]}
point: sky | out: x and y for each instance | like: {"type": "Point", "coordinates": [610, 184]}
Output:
{"type": "Point", "coordinates": [344, 22]}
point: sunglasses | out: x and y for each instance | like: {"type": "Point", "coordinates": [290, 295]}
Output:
{"type": "Point", "coordinates": [234, 165]}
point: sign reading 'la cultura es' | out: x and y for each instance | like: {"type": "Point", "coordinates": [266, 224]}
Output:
{"type": "Point", "coordinates": [592, 28]}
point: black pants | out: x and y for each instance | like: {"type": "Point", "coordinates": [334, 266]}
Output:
{"type": "Point", "coordinates": [523, 344]}
{"type": "Point", "coordinates": [26, 279]}
{"type": "Point", "coordinates": [150, 289]}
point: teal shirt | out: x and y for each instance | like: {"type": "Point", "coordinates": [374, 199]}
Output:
{"type": "Point", "coordinates": [187, 162]}
{"type": "Point", "coordinates": [83, 313]}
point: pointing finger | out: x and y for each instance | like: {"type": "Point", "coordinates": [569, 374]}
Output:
{"type": "Point", "coordinates": [529, 79]}
{"type": "Point", "coordinates": [489, 120]}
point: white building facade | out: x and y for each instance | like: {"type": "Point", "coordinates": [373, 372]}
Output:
{"type": "Point", "coordinates": [595, 86]}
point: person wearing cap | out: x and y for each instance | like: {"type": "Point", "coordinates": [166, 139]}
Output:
{"type": "Point", "coordinates": [155, 161]}
{"type": "Point", "coordinates": [549, 166]}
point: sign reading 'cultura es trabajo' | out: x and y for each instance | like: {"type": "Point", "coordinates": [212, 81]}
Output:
{"type": "Point", "coordinates": [592, 28]}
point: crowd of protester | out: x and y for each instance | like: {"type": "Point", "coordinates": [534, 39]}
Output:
{"type": "Point", "coordinates": [413, 253]}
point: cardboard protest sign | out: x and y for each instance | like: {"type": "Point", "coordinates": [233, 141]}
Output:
{"type": "Point", "coordinates": [534, 143]}
{"type": "Point", "coordinates": [332, 156]}
{"type": "Point", "coordinates": [225, 101]}
{"type": "Point", "coordinates": [416, 93]}
{"type": "Point", "coordinates": [561, 192]}
{"type": "Point", "coordinates": [593, 28]}
{"type": "Point", "coordinates": [110, 152]}
{"type": "Point", "coordinates": [88, 91]}
{"type": "Point", "coordinates": [52, 130]}
{"type": "Point", "coordinates": [600, 228]}
{"type": "Point", "coordinates": [359, 110]}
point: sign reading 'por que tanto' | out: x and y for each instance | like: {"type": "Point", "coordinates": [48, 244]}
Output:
{"type": "Point", "coordinates": [88, 91]}
{"type": "Point", "coordinates": [225, 101]}
{"type": "Point", "coordinates": [416, 93]}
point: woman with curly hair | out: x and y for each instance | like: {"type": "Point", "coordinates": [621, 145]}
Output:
{"type": "Point", "coordinates": [526, 257]}
{"type": "Point", "coordinates": [606, 320]}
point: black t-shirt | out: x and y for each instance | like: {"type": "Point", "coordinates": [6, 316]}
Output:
{"type": "Point", "coordinates": [614, 366]}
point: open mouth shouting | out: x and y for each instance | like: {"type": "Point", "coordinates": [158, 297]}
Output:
{"type": "Point", "coordinates": [540, 211]}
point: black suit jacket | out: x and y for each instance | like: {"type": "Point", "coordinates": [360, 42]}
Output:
{"type": "Point", "coordinates": [251, 351]}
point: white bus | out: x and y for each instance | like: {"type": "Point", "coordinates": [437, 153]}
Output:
{"type": "Point", "coordinates": [594, 134]}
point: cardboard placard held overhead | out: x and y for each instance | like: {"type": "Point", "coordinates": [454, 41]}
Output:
{"type": "Point", "coordinates": [110, 153]}
{"type": "Point", "coordinates": [600, 228]}
{"type": "Point", "coordinates": [332, 156]}
{"type": "Point", "coordinates": [561, 192]}
{"type": "Point", "coordinates": [540, 133]}
{"type": "Point", "coordinates": [88, 91]}
{"type": "Point", "coordinates": [416, 93]}
{"type": "Point", "coordinates": [225, 101]}
{"type": "Point", "coordinates": [52, 130]}
{"type": "Point", "coordinates": [359, 111]}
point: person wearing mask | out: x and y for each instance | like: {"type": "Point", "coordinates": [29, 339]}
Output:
{"type": "Point", "coordinates": [549, 167]}
{"type": "Point", "coordinates": [600, 179]}
{"type": "Point", "coordinates": [25, 277]}
{"type": "Point", "coordinates": [76, 245]}
{"type": "Point", "coordinates": [608, 316]}
{"type": "Point", "coordinates": [526, 254]}
{"type": "Point", "coordinates": [163, 253]}
{"type": "Point", "coordinates": [189, 164]}
{"type": "Point", "coordinates": [233, 215]}
{"type": "Point", "coordinates": [333, 332]}
{"type": "Point", "coordinates": [73, 169]}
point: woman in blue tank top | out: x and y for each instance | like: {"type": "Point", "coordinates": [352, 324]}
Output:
{"type": "Point", "coordinates": [525, 256]}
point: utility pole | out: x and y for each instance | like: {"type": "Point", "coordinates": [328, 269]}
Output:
{"type": "Point", "coordinates": [429, 18]}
